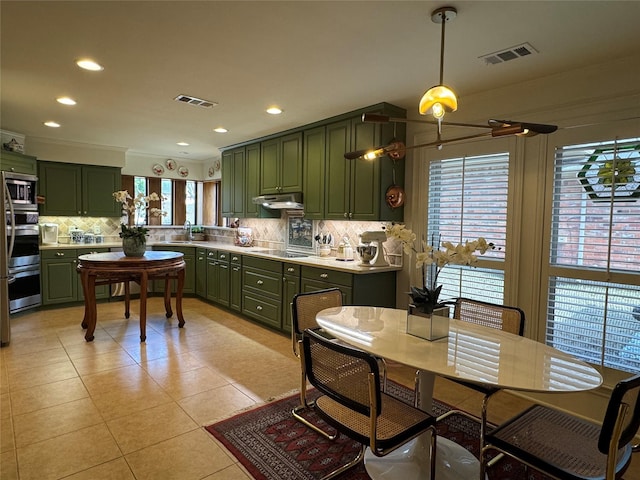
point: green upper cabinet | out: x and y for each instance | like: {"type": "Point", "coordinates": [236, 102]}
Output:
{"type": "Point", "coordinates": [313, 167]}
{"type": "Point", "coordinates": [252, 180]}
{"type": "Point", "coordinates": [355, 189]}
{"type": "Point", "coordinates": [281, 165]}
{"type": "Point", "coordinates": [233, 193]}
{"type": "Point", "coordinates": [72, 190]}
{"type": "Point", "coordinates": [18, 163]}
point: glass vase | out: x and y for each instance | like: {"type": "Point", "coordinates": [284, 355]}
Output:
{"type": "Point", "coordinates": [133, 246]}
{"type": "Point", "coordinates": [429, 326]}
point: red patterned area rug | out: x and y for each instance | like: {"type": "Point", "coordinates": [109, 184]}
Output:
{"type": "Point", "coordinates": [272, 445]}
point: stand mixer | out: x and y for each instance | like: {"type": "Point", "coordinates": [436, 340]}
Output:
{"type": "Point", "coordinates": [372, 253]}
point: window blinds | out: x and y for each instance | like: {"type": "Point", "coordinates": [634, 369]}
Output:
{"type": "Point", "coordinates": [468, 199]}
{"type": "Point", "coordinates": [593, 306]}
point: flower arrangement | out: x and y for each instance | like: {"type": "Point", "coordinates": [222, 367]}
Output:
{"type": "Point", "coordinates": [431, 257]}
{"type": "Point", "coordinates": [136, 205]}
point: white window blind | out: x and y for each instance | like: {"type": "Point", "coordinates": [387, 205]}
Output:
{"type": "Point", "coordinates": [467, 200]}
{"type": "Point", "coordinates": [593, 306]}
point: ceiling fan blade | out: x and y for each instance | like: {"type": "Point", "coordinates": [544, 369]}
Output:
{"type": "Point", "coordinates": [542, 128]}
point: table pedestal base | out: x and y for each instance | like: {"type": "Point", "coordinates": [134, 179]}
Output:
{"type": "Point", "coordinates": [411, 462]}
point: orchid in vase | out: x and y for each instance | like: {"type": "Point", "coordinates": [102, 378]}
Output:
{"type": "Point", "coordinates": [133, 207]}
{"type": "Point", "coordinates": [431, 259]}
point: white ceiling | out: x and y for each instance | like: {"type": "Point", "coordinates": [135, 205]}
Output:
{"type": "Point", "coordinates": [315, 59]}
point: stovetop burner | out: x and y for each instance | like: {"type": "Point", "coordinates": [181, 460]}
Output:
{"type": "Point", "coordinates": [286, 254]}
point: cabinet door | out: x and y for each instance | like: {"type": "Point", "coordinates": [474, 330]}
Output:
{"type": "Point", "coordinates": [201, 273]}
{"type": "Point", "coordinates": [227, 184]}
{"type": "Point", "coordinates": [61, 185]}
{"type": "Point", "coordinates": [290, 169]}
{"type": "Point", "coordinates": [98, 185]}
{"type": "Point", "coordinates": [17, 162]}
{"type": "Point", "coordinates": [313, 184]}
{"type": "Point", "coordinates": [235, 296]}
{"type": "Point", "coordinates": [270, 167]}
{"type": "Point", "coordinates": [365, 174]}
{"type": "Point", "coordinates": [290, 288]}
{"type": "Point", "coordinates": [223, 277]}
{"type": "Point", "coordinates": [212, 282]}
{"type": "Point", "coordinates": [238, 183]}
{"type": "Point", "coordinates": [337, 171]}
{"type": "Point", "coordinates": [310, 285]}
{"type": "Point", "coordinates": [59, 280]}
{"type": "Point", "coordinates": [252, 180]}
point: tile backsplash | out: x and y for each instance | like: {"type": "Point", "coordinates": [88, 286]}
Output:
{"type": "Point", "coordinates": [269, 233]}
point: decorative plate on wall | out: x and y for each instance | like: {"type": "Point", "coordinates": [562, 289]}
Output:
{"type": "Point", "coordinates": [171, 164]}
{"type": "Point", "coordinates": [211, 171]}
{"type": "Point", "coordinates": [216, 165]}
{"type": "Point", "coordinates": [183, 171]}
{"type": "Point", "coordinates": [158, 169]}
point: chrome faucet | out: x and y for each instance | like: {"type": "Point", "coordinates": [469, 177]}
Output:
{"type": "Point", "coordinates": [187, 227]}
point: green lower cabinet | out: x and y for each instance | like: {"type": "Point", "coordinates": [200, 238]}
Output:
{"type": "Point", "coordinates": [218, 276]}
{"type": "Point", "coordinates": [378, 290]}
{"type": "Point", "coordinates": [189, 271]}
{"type": "Point", "coordinates": [60, 280]}
{"type": "Point", "coordinates": [290, 288]}
{"type": "Point", "coordinates": [262, 290]}
{"type": "Point", "coordinates": [201, 272]}
{"type": "Point", "coordinates": [235, 274]}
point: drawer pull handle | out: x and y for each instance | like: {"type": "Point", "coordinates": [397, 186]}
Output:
{"type": "Point", "coordinates": [259, 308]}
{"type": "Point", "coordinates": [235, 259]}
{"type": "Point", "coordinates": [210, 254]}
{"type": "Point", "coordinates": [324, 275]}
{"type": "Point", "coordinates": [59, 254]}
{"type": "Point", "coordinates": [200, 258]}
{"type": "Point", "coordinates": [291, 269]}
{"type": "Point", "coordinates": [222, 257]}
{"type": "Point", "coordinates": [259, 282]}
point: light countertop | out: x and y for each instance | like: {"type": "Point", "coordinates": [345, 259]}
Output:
{"type": "Point", "coordinates": [330, 263]}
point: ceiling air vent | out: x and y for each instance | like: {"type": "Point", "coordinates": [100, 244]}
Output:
{"type": "Point", "coordinates": [511, 53]}
{"type": "Point", "coordinates": [198, 102]}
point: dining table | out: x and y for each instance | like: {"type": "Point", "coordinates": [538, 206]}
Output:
{"type": "Point", "coordinates": [470, 352]}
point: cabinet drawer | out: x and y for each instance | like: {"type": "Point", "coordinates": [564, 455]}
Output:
{"type": "Point", "coordinates": [236, 258]}
{"type": "Point", "coordinates": [332, 277]}
{"type": "Point", "coordinates": [87, 251]}
{"type": "Point", "coordinates": [292, 269]}
{"type": "Point", "coordinates": [262, 282]}
{"type": "Point", "coordinates": [263, 264]}
{"type": "Point", "coordinates": [267, 311]}
{"type": "Point", "coordinates": [59, 253]}
{"type": "Point", "coordinates": [224, 256]}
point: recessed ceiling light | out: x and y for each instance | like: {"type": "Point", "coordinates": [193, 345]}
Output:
{"type": "Point", "coordinates": [66, 100]}
{"type": "Point", "coordinates": [220, 130]}
{"type": "Point", "coordinates": [89, 64]}
{"type": "Point", "coordinates": [183, 144]}
{"type": "Point", "coordinates": [52, 124]}
{"type": "Point", "coordinates": [274, 110]}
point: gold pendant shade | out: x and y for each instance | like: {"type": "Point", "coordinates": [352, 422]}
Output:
{"type": "Point", "coordinates": [437, 101]}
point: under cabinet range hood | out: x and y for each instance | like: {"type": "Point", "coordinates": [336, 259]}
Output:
{"type": "Point", "coordinates": [281, 201]}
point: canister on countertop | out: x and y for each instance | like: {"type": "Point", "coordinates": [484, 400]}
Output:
{"type": "Point", "coordinates": [89, 238]}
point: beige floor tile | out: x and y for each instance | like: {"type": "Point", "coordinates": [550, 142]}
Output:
{"type": "Point", "coordinates": [7, 439]}
{"type": "Point", "coordinates": [42, 375]}
{"type": "Point", "coordinates": [212, 405]}
{"type": "Point", "coordinates": [234, 472]}
{"type": "Point", "coordinates": [4, 380]}
{"type": "Point", "coordinates": [67, 454]}
{"type": "Point", "coordinates": [114, 470]}
{"type": "Point", "coordinates": [102, 361]}
{"type": "Point", "coordinates": [5, 405]}
{"type": "Point", "coordinates": [47, 395]}
{"type": "Point", "coordinates": [130, 398]}
{"type": "Point", "coordinates": [185, 384]}
{"type": "Point", "coordinates": [8, 466]}
{"type": "Point", "coordinates": [30, 343]}
{"type": "Point", "coordinates": [128, 376]}
{"type": "Point", "coordinates": [53, 421]}
{"type": "Point", "coordinates": [162, 367]}
{"type": "Point", "coordinates": [82, 348]}
{"type": "Point", "coordinates": [27, 361]}
{"type": "Point", "coordinates": [150, 426]}
{"type": "Point", "coordinates": [190, 456]}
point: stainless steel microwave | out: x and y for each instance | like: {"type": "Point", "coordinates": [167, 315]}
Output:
{"type": "Point", "coordinates": [21, 189]}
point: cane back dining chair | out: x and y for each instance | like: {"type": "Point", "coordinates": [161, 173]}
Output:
{"type": "Point", "coordinates": [564, 446]}
{"type": "Point", "coordinates": [501, 317]}
{"type": "Point", "coordinates": [352, 402]}
{"type": "Point", "coordinates": [304, 308]}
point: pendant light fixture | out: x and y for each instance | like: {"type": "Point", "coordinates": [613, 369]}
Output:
{"type": "Point", "coordinates": [440, 99]}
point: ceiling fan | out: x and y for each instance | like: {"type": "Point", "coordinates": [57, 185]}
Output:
{"type": "Point", "coordinates": [437, 101]}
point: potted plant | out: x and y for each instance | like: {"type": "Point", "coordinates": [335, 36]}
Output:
{"type": "Point", "coordinates": [134, 237]}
